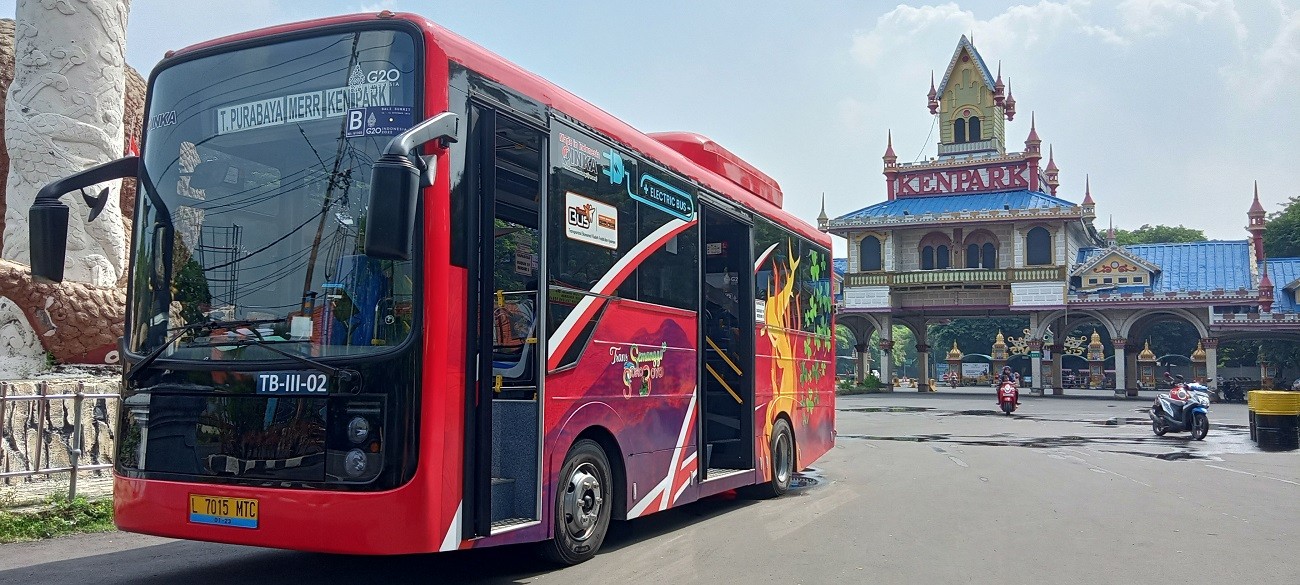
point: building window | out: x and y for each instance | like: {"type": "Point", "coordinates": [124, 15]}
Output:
{"type": "Point", "coordinates": [973, 129]}
{"type": "Point", "coordinates": [1137, 279]}
{"type": "Point", "coordinates": [869, 257]}
{"type": "Point", "coordinates": [1038, 247]}
{"type": "Point", "coordinates": [927, 258]}
{"type": "Point", "coordinates": [941, 257]}
{"type": "Point", "coordinates": [981, 250]}
{"type": "Point", "coordinates": [1092, 281]}
{"type": "Point", "coordinates": [1123, 280]}
{"type": "Point", "coordinates": [1105, 280]}
{"type": "Point", "coordinates": [959, 130]}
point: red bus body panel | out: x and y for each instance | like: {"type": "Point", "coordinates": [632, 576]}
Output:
{"type": "Point", "coordinates": [656, 435]}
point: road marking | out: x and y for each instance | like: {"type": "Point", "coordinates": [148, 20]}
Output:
{"type": "Point", "coordinates": [1254, 474]}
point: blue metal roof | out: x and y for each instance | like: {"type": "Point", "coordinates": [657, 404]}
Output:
{"type": "Point", "coordinates": [1022, 199]}
{"type": "Point", "coordinates": [1203, 266]}
{"type": "Point", "coordinates": [1283, 271]}
{"type": "Point", "coordinates": [840, 266]}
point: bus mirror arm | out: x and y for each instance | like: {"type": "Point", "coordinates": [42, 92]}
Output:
{"type": "Point", "coordinates": [48, 217]}
{"type": "Point", "coordinates": [395, 185]}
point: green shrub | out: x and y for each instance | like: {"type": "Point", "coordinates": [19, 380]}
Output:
{"type": "Point", "coordinates": [59, 517]}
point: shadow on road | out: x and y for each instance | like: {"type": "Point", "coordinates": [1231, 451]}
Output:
{"type": "Point", "coordinates": [201, 563]}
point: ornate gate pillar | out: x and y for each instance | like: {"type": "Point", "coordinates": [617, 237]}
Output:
{"type": "Point", "coordinates": [863, 358]}
{"type": "Point", "coordinates": [1211, 345]}
{"type": "Point", "coordinates": [998, 355]}
{"type": "Point", "coordinates": [1121, 365]}
{"type": "Point", "coordinates": [923, 363]}
{"type": "Point", "coordinates": [1058, 365]}
{"type": "Point", "coordinates": [887, 364]}
{"type": "Point", "coordinates": [1036, 365]}
{"type": "Point", "coordinates": [954, 362]}
{"type": "Point", "coordinates": [1096, 361]}
{"type": "Point", "coordinates": [1198, 363]}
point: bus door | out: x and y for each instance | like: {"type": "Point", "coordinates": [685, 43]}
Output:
{"type": "Point", "coordinates": [503, 428]}
{"type": "Point", "coordinates": [727, 328]}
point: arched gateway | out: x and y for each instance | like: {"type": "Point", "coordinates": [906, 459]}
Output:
{"type": "Point", "coordinates": [979, 232]}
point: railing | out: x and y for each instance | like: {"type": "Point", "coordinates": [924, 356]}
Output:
{"type": "Point", "coordinates": [1004, 276]}
{"type": "Point", "coordinates": [963, 147]}
{"type": "Point", "coordinates": [43, 429]}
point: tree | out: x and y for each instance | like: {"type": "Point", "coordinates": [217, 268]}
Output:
{"type": "Point", "coordinates": [1282, 235]}
{"type": "Point", "coordinates": [1158, 234]}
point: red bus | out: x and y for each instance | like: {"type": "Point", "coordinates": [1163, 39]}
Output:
{"type": "Point", "coordinates": [390, 293]}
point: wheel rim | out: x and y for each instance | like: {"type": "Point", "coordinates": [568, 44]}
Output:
{"type": "Point", "coordinates": [781, 458]}
{"type": "Point", "coordinates": [583, 501]}
{"type": "Point", "coordinates": [1201, 423]}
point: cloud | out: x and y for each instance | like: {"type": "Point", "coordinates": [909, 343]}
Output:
{"type": "Point", "coordinates": [1018, 27]}
{"type": "Point", "coordinates": [1263, 72]}
{"type": "Point", "coordinates": [1158, 17]}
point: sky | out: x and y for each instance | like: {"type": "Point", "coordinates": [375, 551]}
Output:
{"type": "Point", "coordinates": [1173, 108]}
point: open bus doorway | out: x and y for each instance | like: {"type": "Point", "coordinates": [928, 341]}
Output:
{"type": "Point", "coordinates": [727, 323]}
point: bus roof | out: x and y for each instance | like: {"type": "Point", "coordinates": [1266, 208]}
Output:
{"type": "Point", "coordinates": [690, 154]}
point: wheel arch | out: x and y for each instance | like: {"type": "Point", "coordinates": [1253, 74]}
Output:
{"type": "Point", "coordinates": [617, 466]}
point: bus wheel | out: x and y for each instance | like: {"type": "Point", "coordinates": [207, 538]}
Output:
{"type": "Point", "coordinates": [582, 504]}
{"type": "Point", "coordinates": [782, 450]}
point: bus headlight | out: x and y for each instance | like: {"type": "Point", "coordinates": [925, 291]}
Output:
{"type": "Point", "coordinates": [358, 430]}
{"type": "Point", "coordinates": [354, 463]}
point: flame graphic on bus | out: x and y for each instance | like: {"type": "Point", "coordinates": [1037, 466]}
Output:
{"type": "Point", "coordinates": [780, 318]}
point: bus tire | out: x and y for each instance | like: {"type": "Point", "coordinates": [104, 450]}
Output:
{"type": "Point", "coordinates": [583, 500]}
{"type": "Point", "coordinates": [782, 457]}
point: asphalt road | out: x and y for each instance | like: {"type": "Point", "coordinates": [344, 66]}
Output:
{"type": "Point", "coordinates": [919, 489]}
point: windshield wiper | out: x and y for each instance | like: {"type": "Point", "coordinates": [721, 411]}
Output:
{"type": "Point", "coordinates": [182, 330]}
{"type": "Point", "coordinates": [342, 374]}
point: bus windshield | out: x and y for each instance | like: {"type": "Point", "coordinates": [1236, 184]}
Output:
{"type": "Point", "coordinates": [252, 213]}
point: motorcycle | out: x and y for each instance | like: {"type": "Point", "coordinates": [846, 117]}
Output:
{"type": "Point", "coordinates": [1185, 409]}
{"type": "Point", "coordinates": [1008, 397]}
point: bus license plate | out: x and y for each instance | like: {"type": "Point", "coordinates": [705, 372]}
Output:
{"type": "Point", "coordinates": [222, 511]}
{"type": "Point", "coordinates": [292, 383]}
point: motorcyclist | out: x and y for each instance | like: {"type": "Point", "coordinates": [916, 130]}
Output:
{"type": "Point", "coordinates": [1008, 377]}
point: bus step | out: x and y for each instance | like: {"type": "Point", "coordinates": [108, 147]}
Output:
{"type": "Point", "coordinates": [503, 498]}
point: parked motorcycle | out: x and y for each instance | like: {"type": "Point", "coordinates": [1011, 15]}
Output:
{"type": "Point", "coordinates": [1008, 397]}
{"type": "Point", "coordinates": [1185, 409]}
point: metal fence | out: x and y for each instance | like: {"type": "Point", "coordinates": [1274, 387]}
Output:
{"type": "Point", "coordinates": [54, 427]}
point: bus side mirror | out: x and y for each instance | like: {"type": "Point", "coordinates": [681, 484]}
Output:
{"type": "Point", "coordinates": [395, 183]}
{"type": "Point", "coordinates": [48, 217]}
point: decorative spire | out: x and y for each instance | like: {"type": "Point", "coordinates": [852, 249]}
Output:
{"type": "Point", "coordinates": [1110, 234]}
{"type": "Point", "coordinates": [890, 157]}
{"type": "Point", "coordinates": [823, 221]}
{"type": "Point", "coordinates": [1265, 290]}
{"type": "Point", "coordinates": [933, 96]}
{"type": "Point", "coordinates": [1147, 355]}
{"type": "Point", "coordinates": [1051, 162]}
{"type": "Point", "coordinates": [1087, 190]}
{"type": "Point", "coordinates": [1255, 207]}
{"type": "Point", "coordinates": [1010, 103]}
{"type": "Point", "coordinates": [999, 96]}
{"type": "Point", "coordinates": [1199, 354]}
{"type": "Point", "coordinates": [954, 354]}
{"type": "Point", "coordinates": [1033, 143]}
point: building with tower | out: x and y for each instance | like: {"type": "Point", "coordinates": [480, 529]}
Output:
{"type": "Point", "coordinates": [979, 231]}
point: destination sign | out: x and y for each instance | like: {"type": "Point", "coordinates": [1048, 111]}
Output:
{"type": "Point", "coordinates": [301, 107]}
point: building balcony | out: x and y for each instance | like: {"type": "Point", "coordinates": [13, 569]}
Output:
{"type": "Point", "coordinates": [957, 276]}
{"type": "Point", "coordinates": [989, 145]}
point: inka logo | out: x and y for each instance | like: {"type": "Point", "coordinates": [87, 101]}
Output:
{"type": "Point", "coordinates": [582, 216]}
